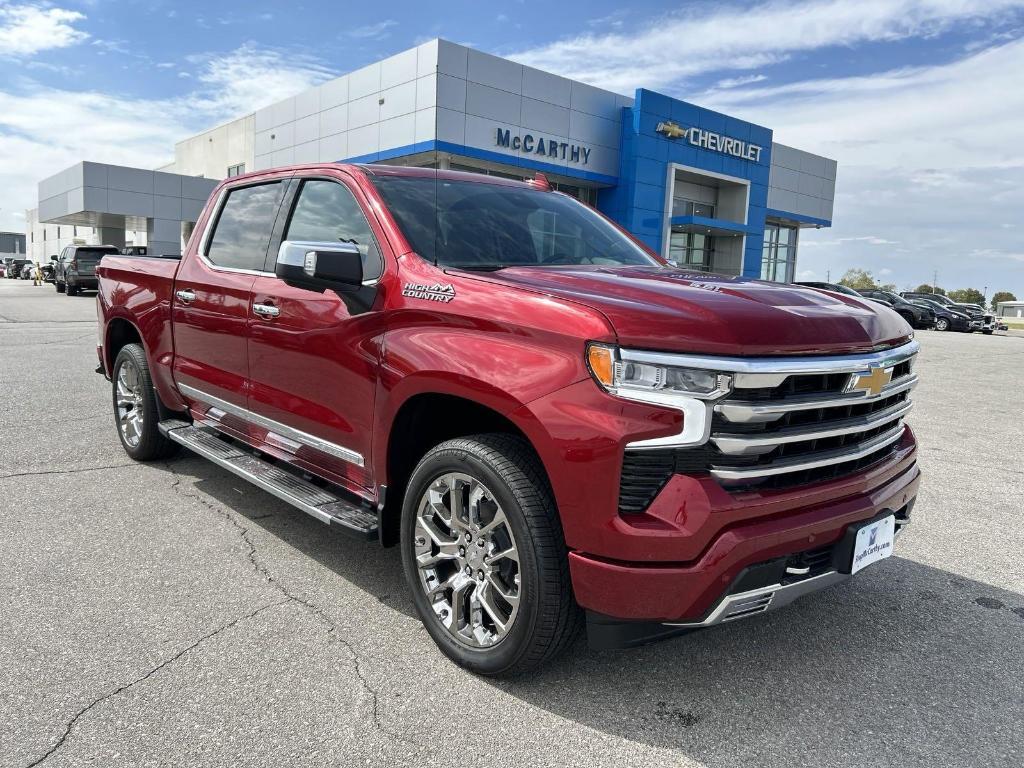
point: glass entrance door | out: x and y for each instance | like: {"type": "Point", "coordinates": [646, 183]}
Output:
{"type": "Point", "coordinates": [691, 250]}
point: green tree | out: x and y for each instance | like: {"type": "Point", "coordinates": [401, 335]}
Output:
{"type": "Point", "coordinates": [967, 296]}
{"type": "Point", "coordinates": [1001, 296]}
{"type": "Point", "coordinates": [858, 279]}
{"type": "Point", "coordinates": [925, 288]}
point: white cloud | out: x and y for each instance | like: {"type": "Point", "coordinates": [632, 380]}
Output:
{"type": "Point", "coordinates": [38, 139]}
{"type": "Point", "coordinates": [377, 31]}
{"type": "Point", "coordinates": [252, 77]}
{"type": "Point", "coordinates": [736, 82]}
{"type": "Point", "coordinates": [739, 38]}
{"type": "Point", "coordinates": [929, 164]}
{"type": "Point", "coordinates": [28, 29]}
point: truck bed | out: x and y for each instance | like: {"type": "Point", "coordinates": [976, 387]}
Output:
{"type": "Point", "coordinates": [139, 290]}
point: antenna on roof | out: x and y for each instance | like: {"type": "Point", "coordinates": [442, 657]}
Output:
{"type": "Point", "coordinates": [540, 181]}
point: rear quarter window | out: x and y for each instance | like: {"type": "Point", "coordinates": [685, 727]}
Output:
{"type": "Point", "coordinates": [244, 226]}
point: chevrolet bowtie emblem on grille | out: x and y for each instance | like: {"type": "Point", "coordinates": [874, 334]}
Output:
{"type": "Point", "coordinates": [671, 130]}
{"type": "Point", "coordinates": [871, 383]}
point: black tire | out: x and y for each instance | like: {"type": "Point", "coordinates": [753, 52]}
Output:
{"type": "Point", "coordinates": [942, 324]}
{"type": "Point", "coordinates": [987, 332]}
{"type": "Point", "coordinates": [151, 444]}
{"type": "Point", "coordinates": [70, 289]}
{"type": "Point", "coordinates": [58, 286]}
{"type": "Point", "coordinates": [549, 618]}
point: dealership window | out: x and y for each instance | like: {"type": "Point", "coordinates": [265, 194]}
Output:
{"type": "Point", "coordinates": [236, 170]}
{"type": "Point", "coordinates": [778, 257]}
{"type": "Point", "coordinates": [691, 250]}
{"type": "Point", "coordinates": [684, 207]}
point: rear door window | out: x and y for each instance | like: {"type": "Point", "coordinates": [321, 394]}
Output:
{"type": "Point", "coordinates": [327, 212]}
{"type": "Point", "coordinates": [242, 233]}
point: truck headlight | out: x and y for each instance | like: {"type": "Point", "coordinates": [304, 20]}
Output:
{"type": "Point", "coordinates": [625, 377]}
{"type": "Point", "coordinates": [692, 391]}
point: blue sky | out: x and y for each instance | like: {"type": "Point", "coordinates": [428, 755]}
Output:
{"type": "Point", "coordinates": [919, 100]}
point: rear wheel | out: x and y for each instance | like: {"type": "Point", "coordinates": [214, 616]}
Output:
{"type": "Point", "coordinates": [484, 555]}
{"type": "Point", "coordinates": [942, 324]}
{"type": "Point", "coordinates": [135, 410]}
{"type": "Point", "coordinates": [58, 286]}
{"type": "Point", "coordinates": [71, 289]}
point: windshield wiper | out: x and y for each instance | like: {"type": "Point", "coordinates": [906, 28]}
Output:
{"type": "Point", "coordinates": [477, 267]}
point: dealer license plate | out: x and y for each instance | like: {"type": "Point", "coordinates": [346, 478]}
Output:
{"type": "Point", "coordinates": [874, 543]}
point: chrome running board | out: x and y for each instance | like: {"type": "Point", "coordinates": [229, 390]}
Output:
{"type": "Point", "coordinates": [325, 506]}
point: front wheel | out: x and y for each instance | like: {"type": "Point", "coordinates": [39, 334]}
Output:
{"type": "Point", "coordinates": [484, 555]}
{"type": "Point", "coordinates": [942, 324]}
{"type": "Point", "coordinates": [135, 410]}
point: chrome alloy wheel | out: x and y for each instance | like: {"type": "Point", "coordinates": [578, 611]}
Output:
{"type": "Point", "coordinates": [129, 403]}
{"type": "Point", "coordinates": [467, 560]}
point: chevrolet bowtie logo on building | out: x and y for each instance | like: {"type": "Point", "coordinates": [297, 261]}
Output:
{"type": "Point", "coordinates": [702, 139]}
{"type": "Point", "coordinates": [870, 383]}
{"type": "Point", "coordinates": [672, 130]}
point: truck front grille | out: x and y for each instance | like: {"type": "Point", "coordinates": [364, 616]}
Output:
{"type": "Point", "coordinates": [780, 430]}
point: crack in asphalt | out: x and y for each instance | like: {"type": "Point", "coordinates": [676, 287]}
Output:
{"type": "Point", "coordinates": [38, 422]}
{"type": "Point", "coordinates": [54, 343]}
{"type": "Point", "coordinates": [69, 727]}
{"type": "Point", "coordinates": [61, 323]}
{"type": "Point", "coordinates": [69, 471]}
{"type": "Point", "coordinates": [316, 611]}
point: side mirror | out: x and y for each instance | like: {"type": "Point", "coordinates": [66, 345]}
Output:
{"type": "Point", "coordinates": [320, 263]}
{"type": "Point", "coordinates": [53, 258]}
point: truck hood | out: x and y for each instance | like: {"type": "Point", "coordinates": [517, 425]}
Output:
{"type": "Point", "coordinates": [667, 309]}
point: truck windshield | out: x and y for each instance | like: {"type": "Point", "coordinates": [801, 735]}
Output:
{"type": "Point", "coordinates": [476, 225]}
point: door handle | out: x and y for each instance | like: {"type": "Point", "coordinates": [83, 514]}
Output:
{"type": "Point", "coordinates": [266, 310]}
{"type": "Point", "coordinates": [186, 295]}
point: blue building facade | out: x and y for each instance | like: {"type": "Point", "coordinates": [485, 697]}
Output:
{"type": "Point", "coordinates": [642, 201]}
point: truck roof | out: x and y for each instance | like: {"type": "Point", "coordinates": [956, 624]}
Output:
{"type": "Point", "coordinates": [393, 170]}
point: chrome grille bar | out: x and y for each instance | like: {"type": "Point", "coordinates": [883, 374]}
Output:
{"type": "Point", "coordinates": [758, 443]}
{"type": "Point", "coordinates": [742, 412]}
{"type": "Point", "coordinates": [812, 461]}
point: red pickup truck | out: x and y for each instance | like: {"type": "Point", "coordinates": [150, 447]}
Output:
{"type": "Point", "coordinates": [557, 427]}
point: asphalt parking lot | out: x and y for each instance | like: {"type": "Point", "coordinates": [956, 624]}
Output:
{"type": "Point", "coordinates": [171, 614]}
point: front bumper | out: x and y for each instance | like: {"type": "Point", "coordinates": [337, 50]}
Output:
{"type": "Point", "coordinates": [761, 588]}
{"type": "Point", "coordinates": [686, 594]}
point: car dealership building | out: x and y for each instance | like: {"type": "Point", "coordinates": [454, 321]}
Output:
{"type": "Point", "coordinates": [706, 190]}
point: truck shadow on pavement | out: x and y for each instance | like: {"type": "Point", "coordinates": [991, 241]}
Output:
{"type": "Point", "coordinates": [375, 570]}
{"type": "Point", "coordinates": [904, 665]}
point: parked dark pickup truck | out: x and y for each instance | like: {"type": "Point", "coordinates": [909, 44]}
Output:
{"type": "Point", "coordinates": [554, 424]}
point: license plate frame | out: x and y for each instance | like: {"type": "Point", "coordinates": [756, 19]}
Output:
{"type": "Point", "coordinates": [874, 541]}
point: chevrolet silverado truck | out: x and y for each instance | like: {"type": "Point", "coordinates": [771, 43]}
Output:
{"type": "Point", "coordinates": [557, 427]}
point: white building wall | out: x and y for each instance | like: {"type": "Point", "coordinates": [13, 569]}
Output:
{"type": "Point", "coordinates": [210, 153]}
{"type": "Point", "coordinates": [445, 92]}
{"type": "Point", "coordinates": [46, 240]}
{"type": "Point", "coordinates": [801, 183]}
